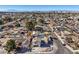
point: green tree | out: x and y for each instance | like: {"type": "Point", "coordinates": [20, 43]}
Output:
{"type": "Point", "coordinates": [10, 45]}
{"type": "Point", "coordinates": [30, 25]}
{"type": "Point", "coordinates": [8, 19]}
{"type": "Point", "coordinates": [17, 25]}
{"type": "Point", "coordinates": [42, 21]}
{"type": "Point", "coordinates": [34, 22]}
{"type": "Point", "coordinates": [1, 22]}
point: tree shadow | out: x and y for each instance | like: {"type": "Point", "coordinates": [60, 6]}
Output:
{"type": "Point", "coordinates": [22, 50]}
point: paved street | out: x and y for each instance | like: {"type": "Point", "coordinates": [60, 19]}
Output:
{"type": "Point", "coordinates": [62, 49]}
{"type": "Point", "coordinates": [2, 51]}
{"type": "Point", "coordinates": [9, 23]}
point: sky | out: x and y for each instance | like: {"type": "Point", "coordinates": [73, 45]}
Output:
{"type": "Point", "coordinates": [38, 7]}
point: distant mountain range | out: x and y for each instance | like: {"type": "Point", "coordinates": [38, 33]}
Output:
{"type": "Point", "coordinates": [9, 10]}
{"type": "Point", "coordinates": [52, 11]}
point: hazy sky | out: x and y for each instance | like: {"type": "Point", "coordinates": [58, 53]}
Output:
{"type": "Point", "coordinates": [38, 7]}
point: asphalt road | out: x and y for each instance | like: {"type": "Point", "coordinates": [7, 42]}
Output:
{"type": "Point", "coordinates": [2, 51]}
{"type": "Point", "coordinates": [62, 49]}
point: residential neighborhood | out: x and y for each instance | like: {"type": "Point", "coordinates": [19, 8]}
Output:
{"type": "Point", "coordinates": [53, 32]}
